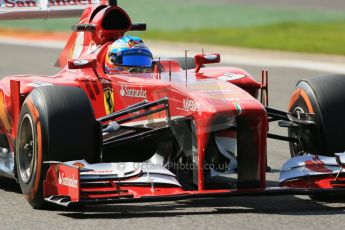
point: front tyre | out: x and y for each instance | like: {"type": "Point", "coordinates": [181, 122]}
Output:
{"type": "Point", "coordinates": [324, 99]}
{"type": "Point", "coordinates": [56, 123]}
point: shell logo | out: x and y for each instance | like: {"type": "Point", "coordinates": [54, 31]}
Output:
{"type": "Point", "coordinates": [79, 165]}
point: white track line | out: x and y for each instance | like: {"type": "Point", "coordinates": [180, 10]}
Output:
{"type": "Point", "coordinates": [236, 57]}
{"type": "Point", "coordinates": [30, 43]}
{"type": "Point", "coordinates": [163, 50]}
{"type": "Point", "coordinates": [288, 63]}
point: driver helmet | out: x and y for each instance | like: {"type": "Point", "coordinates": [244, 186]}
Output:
{"type": "Point", "coordinates": [130, 54]}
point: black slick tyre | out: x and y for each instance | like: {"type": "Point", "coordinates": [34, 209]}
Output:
{"type": "Point", "coordinates": [56, 123]}
{"type": "Point", "coordinates": [324, 98]}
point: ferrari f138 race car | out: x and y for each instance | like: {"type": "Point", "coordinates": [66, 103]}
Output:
{"type": "Point", "coordinates": [115, 125]}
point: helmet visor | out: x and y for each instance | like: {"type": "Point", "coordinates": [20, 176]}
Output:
{"type": "Point", "coordinates": [137, 58]}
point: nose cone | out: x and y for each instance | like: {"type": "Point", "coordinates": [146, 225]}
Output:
{"type": "Point", "coordinates": [219, 97]}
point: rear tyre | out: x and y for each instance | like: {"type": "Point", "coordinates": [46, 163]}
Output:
{"type": "Point", "coordinates": [56, 123]}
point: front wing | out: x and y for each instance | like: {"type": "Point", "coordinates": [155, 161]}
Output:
{"type": "Point", "coordinates": [77, 182]}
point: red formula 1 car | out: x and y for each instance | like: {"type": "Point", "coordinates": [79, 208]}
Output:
{"type": "Point", "coordinates": [149, 130]}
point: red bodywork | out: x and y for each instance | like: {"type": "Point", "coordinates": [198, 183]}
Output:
{"type": "Point", "coordinates": [203, 96]}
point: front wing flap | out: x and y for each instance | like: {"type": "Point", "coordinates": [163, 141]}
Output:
{"type": "Point", "coordinates": [81, 182]}
{"type": "Point", "coordinates": [313, 171]}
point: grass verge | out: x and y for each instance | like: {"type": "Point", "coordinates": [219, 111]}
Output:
{"type": "Point", "coordinates": [225, 24]}
{"type": "Point", "coordinates": [301, 37]}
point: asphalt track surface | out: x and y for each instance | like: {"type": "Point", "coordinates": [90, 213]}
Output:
{"type": "Point", "coordinates": [283, 212]}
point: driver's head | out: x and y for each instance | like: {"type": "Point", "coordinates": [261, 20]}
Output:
{"type": "Point", "coordinates": [126, 54]}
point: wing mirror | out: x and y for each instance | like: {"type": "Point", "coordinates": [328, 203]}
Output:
{"type": "Point", "coordinates": [82, 63]}
{"type": "Point", "coordinates": [202, 59]}
{"type": "Point", "coordinates": [138, 27]}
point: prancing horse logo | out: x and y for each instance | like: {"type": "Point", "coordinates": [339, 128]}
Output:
{"type": "Point", "coordinates": [108, 100]}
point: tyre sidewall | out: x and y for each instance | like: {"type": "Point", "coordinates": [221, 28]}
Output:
{"type": "Point", "coordinates": [65, 129]}
{"type": "Point", "coordinates": [304, 98]}
{"type": "Point", "coordinates": [33, 190]}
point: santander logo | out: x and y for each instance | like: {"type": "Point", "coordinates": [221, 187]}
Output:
{"type": "Point", "coordinates": [131, 92]}
{"type": "Point", "coordinates": [52, 3]}
{"type": "Point", "coordinates": [69, 182]}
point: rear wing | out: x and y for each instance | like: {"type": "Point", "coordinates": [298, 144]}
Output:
{"type": "Point", "coordinates": [34, 9]}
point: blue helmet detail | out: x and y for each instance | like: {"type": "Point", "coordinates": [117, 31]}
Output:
{"type": "Point", "coordinates": [130, 51]}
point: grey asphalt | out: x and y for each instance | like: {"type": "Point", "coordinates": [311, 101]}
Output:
{"type": "Point", "coordinates": [282, 212]}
